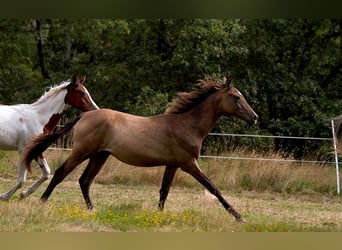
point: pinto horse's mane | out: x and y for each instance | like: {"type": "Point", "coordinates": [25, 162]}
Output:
{"type": "Point", "coordinates": [187, 100]}
{"type": "Point", "coordinates": [52, 91]}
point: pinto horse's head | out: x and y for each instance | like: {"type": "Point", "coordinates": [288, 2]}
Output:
{"type": "Point", "coordinates": [78, 96]}
{"type": "Point", "coordinates": [233, 103]}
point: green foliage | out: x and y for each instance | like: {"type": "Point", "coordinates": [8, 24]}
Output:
{"type": "Point", "coordinates": [289, 70]}
{"type": "Point", "coordinates": [148, 103]}
{"type": "Point", "coordinates": [18, 71]}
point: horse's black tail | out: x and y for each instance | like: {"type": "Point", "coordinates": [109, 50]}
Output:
{"type": "Point", "coordinates": [40, 143]}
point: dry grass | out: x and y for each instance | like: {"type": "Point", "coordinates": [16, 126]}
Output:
{"type": "Point", "coordinates": [272, 196]}
{"type": "Point", "coordinates": [125, 207]}
{"type": "Point", "coordinates": [233, 175]}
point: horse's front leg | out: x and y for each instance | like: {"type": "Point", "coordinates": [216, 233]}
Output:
{"type": "Point", "coordinates": [46, 172]}
{"type": "Point", "coordinates": [93, 168]}
{"type": "Point", "coordinates": [194, 170]}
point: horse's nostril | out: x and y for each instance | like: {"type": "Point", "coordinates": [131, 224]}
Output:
{"type": "Point", "coordinates": [254, 119]}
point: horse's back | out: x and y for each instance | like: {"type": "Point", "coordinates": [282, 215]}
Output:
{"type": "Point", "coordinates": [119, 126]}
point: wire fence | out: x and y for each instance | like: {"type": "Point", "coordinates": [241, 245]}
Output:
{"type": "Point", "coordinates": [64, 144]}
{"type": "Point", "coordinates": [268, 159]}
{"type": "Point", "coordinates": [333, 140]}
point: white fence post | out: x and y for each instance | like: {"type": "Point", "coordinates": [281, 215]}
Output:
{"type": "Point", "coordinates": [336, 157]}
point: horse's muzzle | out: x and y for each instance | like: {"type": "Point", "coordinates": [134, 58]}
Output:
{"type": "Point", "coordinates": [253, 120]}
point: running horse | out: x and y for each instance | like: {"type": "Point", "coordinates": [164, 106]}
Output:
{"type": "Point", "coordinates": [173, 139]}
{"type": "Point", "coordinates": [19, 123]}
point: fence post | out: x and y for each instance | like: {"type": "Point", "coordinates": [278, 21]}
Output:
{"type": "Point", "coordinates": [336, 157]}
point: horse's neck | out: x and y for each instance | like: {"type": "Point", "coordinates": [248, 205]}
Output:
{"type": "Point", "coordinates": [49, 108]}
{"type": "Point", "coordinates": [202, 118]}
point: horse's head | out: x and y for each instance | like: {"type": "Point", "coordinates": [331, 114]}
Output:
{"type": "Point", "coordinates": [78, 96]}
{"type": "Point", "coordinates": [233, 103]}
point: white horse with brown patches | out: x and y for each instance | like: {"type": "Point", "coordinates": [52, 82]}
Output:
{"type": "Point", "coordinates": [19, 123]}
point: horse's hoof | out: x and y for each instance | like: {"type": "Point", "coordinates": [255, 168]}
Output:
{"type": "Point", "coordinates": [4, 197]}
{"type": "Point", "coordinates": [22, 196]}
{"type": "Point", "coordinates": [90, 206]}
{"type": "Point", "coordinates": [241, 220]}
{"type": "Point", "coordinates": [42, 200]}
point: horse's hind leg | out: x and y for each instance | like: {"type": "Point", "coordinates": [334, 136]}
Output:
{"type": "Point", "coordinates": [46, 171]}
{"type": "Point", "coordinates": [165, 187]}
{"type": "Point", "coordinates": [67, 167]}
{"type": "Point", "coordinates": [93, 168]}
{"type": "Point", "coordinates": [194, 170]}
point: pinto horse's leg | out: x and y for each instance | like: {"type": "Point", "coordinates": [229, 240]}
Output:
{"type": "Point", "coordinates": [165, 186]}
{"type": "Point", "coordinates": [66, 168]}
{"type": "Point", "coordinates": [194, 170]}
{"type": "Point", "coordinates": [20, 181]}
{"type": "Point", "coordinates": [93, 168]}
{"type": "Point", "coordinates": [21, 178]}
{"type": "Point", "coordinates": [46, 171]}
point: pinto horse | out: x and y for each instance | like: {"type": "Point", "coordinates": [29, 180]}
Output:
{"type": "Point", "coordinates": [19, 123]}
{"type": "Point", "coordinates": [173, 139]}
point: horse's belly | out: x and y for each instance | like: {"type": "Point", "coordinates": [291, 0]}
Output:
{"type": "Point", "coordinates": [9, 128]}
{"type": "Point", "coordinates": [139, 162]}
{"type": "Point", "coordinates": [143, 157]}
{"type": "Point", "coordinates": [8, 138]}
{"type": "Point", "coordinates": [7, 145]}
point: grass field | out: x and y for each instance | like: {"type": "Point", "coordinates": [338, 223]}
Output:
{"type": "Point", "coordinates": [272, 197]}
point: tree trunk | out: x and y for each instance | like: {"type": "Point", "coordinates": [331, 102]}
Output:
{"type": "Point", "coordinates": [40, 48]}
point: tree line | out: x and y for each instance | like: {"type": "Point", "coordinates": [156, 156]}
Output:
{"type": "Point", "coordinates": [288, 69]}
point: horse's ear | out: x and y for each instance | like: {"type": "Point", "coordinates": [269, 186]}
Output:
{"type": "Point", "coordinates": [82, 80]}
{"type": "Point", "coordinates": [227, 81]}
{"type": "Point", "coordinates": [74, 81]}
{"type": "Point", "coordinates": [224, 80]}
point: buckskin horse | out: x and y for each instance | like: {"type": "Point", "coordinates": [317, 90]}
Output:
{"type": "Point", "coordinates": [19, 123]}
{"type": "Point", "coordinates": [173, 139]}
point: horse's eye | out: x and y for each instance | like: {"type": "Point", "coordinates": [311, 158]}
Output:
{"type": "Point", "coordinates": [82, 93]}
{"type": "Point", "coordinates": [236, 97]}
